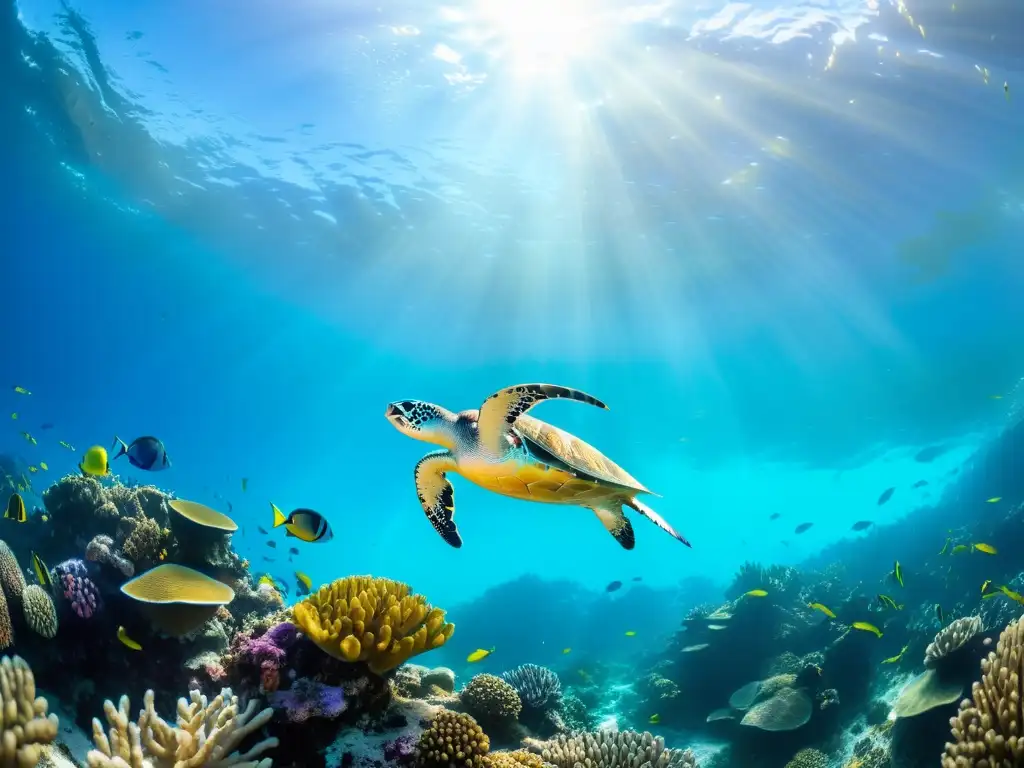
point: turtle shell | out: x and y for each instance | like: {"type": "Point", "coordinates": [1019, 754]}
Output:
{"type": "Point", "coordinates": [581, 458]}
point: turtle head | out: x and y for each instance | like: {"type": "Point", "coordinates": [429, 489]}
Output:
{"type": "Point", "coordinates": [422, 421]}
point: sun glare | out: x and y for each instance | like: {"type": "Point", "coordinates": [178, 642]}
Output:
{"type": "Point", "coordinates": [540, 36]}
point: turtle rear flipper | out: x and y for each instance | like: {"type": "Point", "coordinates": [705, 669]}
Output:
{"type": "Point", "coordinates": [436, 495]}
{"type": "Point", "coordinates": [617, 524]}
{"type": "Point", "coordinates": [657, 519]}
{"type": "Point", "coordinates": [500, 411]}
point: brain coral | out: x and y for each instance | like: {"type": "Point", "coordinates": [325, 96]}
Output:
{"type": "Point", "coordinates": [453, 739]}
{"type": "Point", "coordinates": [488, 697]}
{"type": "Point", "coordinates": [989, 727]}
{"type": "Point", "coordinates": [538, 687]}
{"type": "Point", "coordinates": [612, 749]}
{"type": "Point", "coordinates": [379, 621]}
{"type": "Point", "coordinates": [40, 612]}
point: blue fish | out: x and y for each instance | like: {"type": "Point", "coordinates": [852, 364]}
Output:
{"type": "Point", "coordinates": [144, 452]}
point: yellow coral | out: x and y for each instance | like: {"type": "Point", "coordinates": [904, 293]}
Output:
{"type": "Point", "coordinates": [25, 726]}
{"type": "Point", "coordinates": [453, 739]}
{"type": "Point", "coordinates": [379, 621]}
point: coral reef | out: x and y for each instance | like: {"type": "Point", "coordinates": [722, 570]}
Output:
{"type": "Point", "coordinates": [612, 749]}
{"type": "Point", "coordinates": [951, 638]}
{"type": "Point", "coordinates": [308, 698]}
{"type": "Point", "coordinates": [71, 577]}
{"type": "Point", "coordinates": [809, 758]}
{"type": "Point", "coordinates": [489, 698]}
{"type": "Point", "coordinates": [453, 739]}
{"type": "Point", "coordinates": [40, 612]}
{"type": "Point", "coordinates": [538, 687]}
{"type": "Point", "coordinates": [25, 726]}
{"type": "Point", "coordinates": [373, 620]}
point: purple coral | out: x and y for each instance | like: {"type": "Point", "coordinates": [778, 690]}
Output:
{"type": "Point", "coordinates": [308, 698]}
{"type": "Point", "coordinates": [79, 590]}
{"type": "Point", "coordinates": [268, 652]}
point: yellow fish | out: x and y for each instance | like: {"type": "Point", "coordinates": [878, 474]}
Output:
{"type": "Point", "coordinates": [304, 581]}
{"type": "Point", "coordinates": [478, 655]}
{"type": "Point", "coordinates": [42, 572]}
{"type": "Point", "coordinates": [16, 509]}
{"type": "Point", "coordinates": [993, 500]}
{"type": "Point", "coordinates": [960, 548]}
{"type": "Point", "coordinates": [864, 626]}
{"type": "Point", "coordinates": [95, 462]}
{"type": "Point", "coordinates": [45, 518]}
{"type": "Point", "coordinates": [654, 719]}
{"type": "Point", "coordinates": [897, 573]}
{"type": "Point", "coordinates": [985, 585]}
{"type": "Point", "coordinates": [43, 466]}
{"type": "Point", "coordinates": [1016, 596]}
{"type": "Point", "coordinates": [756, 593]}
{"type": "Point", "coordinates": [33, 469]}
{"type": "Point", "coordinates": [566, 650]}
{"type": "Point", "coordinates": [22, 391]}
{"type": "Point", "coordinates": [822, 608]}
{"type": "Point", "coordinates": [988, 549]}
{"type": "Point", "coordinates": [267, 580]}
{"type": "Point", "coordinates": [64, 444]}
{"type": "Point", "coordinates": [994, 397]}
{"type": "Point", "coordinates": [14, 415]}
{"type": "Point", "coordinates": [127, 641]}
{"type": "Point", "coordinates": [29, 437]}
{"type": "Point", "coordinates": [897, 657]}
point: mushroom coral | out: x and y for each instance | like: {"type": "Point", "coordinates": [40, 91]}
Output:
{"type": "Point", "coordinates": [375, 620]}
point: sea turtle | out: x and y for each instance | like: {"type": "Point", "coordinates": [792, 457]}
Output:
{"type": "Point", "coordinates": [502, 449]}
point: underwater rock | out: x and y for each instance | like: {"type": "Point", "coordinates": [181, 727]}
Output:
{"type": "Point", "coordinates": [442, 677]}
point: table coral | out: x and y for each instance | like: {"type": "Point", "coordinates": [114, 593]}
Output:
{"type": "Point", "coordinates": [206, 735]}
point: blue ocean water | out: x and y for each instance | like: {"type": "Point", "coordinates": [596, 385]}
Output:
{"type": "Point", "coordinates": [781, 240]}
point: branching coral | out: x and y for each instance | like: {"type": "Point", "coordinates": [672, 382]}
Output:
{"type": "Point", "coordinates": [488, 697]}
{"type": "Point", "coordinates": [24, 726]}
{"type": "Point", "coordinates": [206, 735]}
{"type": "Point", "coordinates": [612, 749]}
{"type": "Point", "coordinates": [989, 729]}
{"type": "Point", "coordinates": [379, 621]}
{"type": "Point", "coordinates": [951, 638]}
{"type": "Point", "coordinates": [538, 687]}
{"type": "Point", "coordinates": [453, 739]}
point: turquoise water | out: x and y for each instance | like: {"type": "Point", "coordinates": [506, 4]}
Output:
{"type": "Point", "coordinates": [245, 228]}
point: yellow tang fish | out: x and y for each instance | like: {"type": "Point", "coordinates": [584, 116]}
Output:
{"type": "Point", "coordinates": [993, 500]}
{"type": "Point", "coordinates": [654, 719]}
{"type": "Point", "coordinates": [822, 608]}
{"type": "Point", "coordinates": [897, 657]}
{"type": "Point", "coordinates": [478, 655]}
{"type": "Point", "coordinates": [988, 549]}
{"type": "Point", "coordinates": [566, 650]}
{"type": "Point", "coordinates": [864, 626]}
{"type": "Point", "coordinates": [16, 509]}
{"type": "Point", "coordinates": [42, 572]}
{"type": "Point", "coordinates": [21, 391]}
{"type": "Point", "coordinates": [985, 585]}
{"type": "Point", "coordinates": [756, 593]}
{"type": "Point", "coordinates": [960, 548]}
{"type": "Point", "coordinates": [43, 466]}
{"type": "Point", "coordinates": [122, 635]}
{"type": "Point", "coordinates": [95, 462]}
{"type": "Point", "coordinates": [897, 573]}
{"type": "Point", "coordinates": [630, 633]}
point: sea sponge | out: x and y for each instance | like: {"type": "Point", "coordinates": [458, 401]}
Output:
{"type": "Point", "coordinates": [40, 612]}
{"type": "Point", "coordinates": [809, 758]}
{"type": "Point", "coordinates": [206, 735]}
{"type": "Point", "coordinates": [951, 638]}
{"type": "Point", "coordinates": [203, 516]}
{"type": "Point", "coordinates": [379, 621]}
{"type": "Point", "coordinates": [177, 599]}
{"type": "Point", "coordinates": [25, 723]}
{"type": "Point", "coordinates": [11, 578]}
{"type": "Point", "coordinates": [787, 710]}
{"type": "Point", "coordinates": [989, 727]}
{"type": "Point", "coordinates": [612, 749]}
{"type": "Point", "coordinates": [453, 739]}
{"type": "Point", "coordinates": [488, 697]}
{"type": "Point", "coordinates": [538, 687]}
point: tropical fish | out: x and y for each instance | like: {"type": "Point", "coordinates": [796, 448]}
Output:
{"type": "Point", "coordinates": [21, 391]}
{"type": "Point", "coordinates": [479, 655]}
{"type": "Point", "coordinates": [146, 453]}
{"type": "Point", "coordinates": [939, 615]}
{"type": "Point", "coordinates": [292, 550]}
{"type": "Point", "coordinates": [95, 462]}
{"type": "Point", "coordinates": [122, 635]}
{"type": "Point", "coordinates": [267, 580]}
{"type": "Point", "coordinates": [756, 593]}
{"type": "Point", "coordinates": [16, 509]}
{"type": "Point", "coordinates": [566, 650]}
{"type": "Point", "coordinates": [985, 585]}
{"type": "Point", "coordinates": [262, 530]}
{"type": "Point", "coordinates": [304, 524]}
{"type": "Point", "coordinates": [33, 469]}
{"type": "Point", "coordinates": [897, 657]}
{"type": "Point", "coordinates": [245, 484]}
{"type": "Point", "coordinates": [959, 548]}
{"type": "Point", "coordinates": [775, 516]}
{"type": "Point", "coordinates": [65, 444]}
{"type": "Point", "coordinates": [271, 544]}
{"type": "Point", "coordinates": [613, 587]}
{"type": "Point", "coordinates": [803, 527]}
{"type": "Point", "coordinates": [43, 466]}
{"type": "Point", "coordinates": [630, 633]}
{"type": "Point", "coordinates": [822, 608]}
{"type": "Point", "coordinates": [886, 495]}
{"type": "Point", "coordinates": [988, 549]}
{"type": "Point", "coordinates": [993, 500]}
{"type": "Point", "coordinates": [897, 573]}
{"type": "Point", "coordinates": [305, 583]}
{"type": "Point", "coordinates": [862, 525]}
{"type": "Point", "coordinates": [654, 719]}
{"type": "Point", "coordinates": [864, 626]}
{"type": "Point", "coordinates": [42, 572]}
{"type": "Point", "coordinates": [920, 484]}
{"type": "Point", "coordinates": [888, 602]}
{"type": "Point", "coordinates": [14, 415]}
{"type": "Point", "coordinates": [29, 437]}
{"type": "Point", "coordinates": [1016, 596]}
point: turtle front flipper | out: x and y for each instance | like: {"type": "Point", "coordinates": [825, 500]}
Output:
{"type": "Point", "coordinates": [657, 519]}
{"type": "Point", "coordinates": [500, 410]}
{"type": "Point", "coordinates": [618, 525]}
{"type": "Point", "coordinates": [437, 497]}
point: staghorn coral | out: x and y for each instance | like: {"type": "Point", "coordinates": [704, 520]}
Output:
{"type": "Point", "coordinates": [11, 578]}
{"type": "Point", "coordinates": [453, 739]}
{"type": "Point", "coordinates": [40, 612]}
{"type": "Point", "coordinates": [951, 638]}
{"type": "Point", "coordinates": [809, 758]}
{"type": "Point", "coordinates": [25, 725]}
{"type": "Point", "coordinates": [379, 621]}
{"type": "Point", "coordinates": [488, 697]}
{"type": "Point", "coordinates": [538, 687]}
{"type": "Point", "coordinates": [206, 735]}
{"type": "Point", "coordinates": [988, 729]}
{"type": "Point", "coordinates": [612, 749]}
